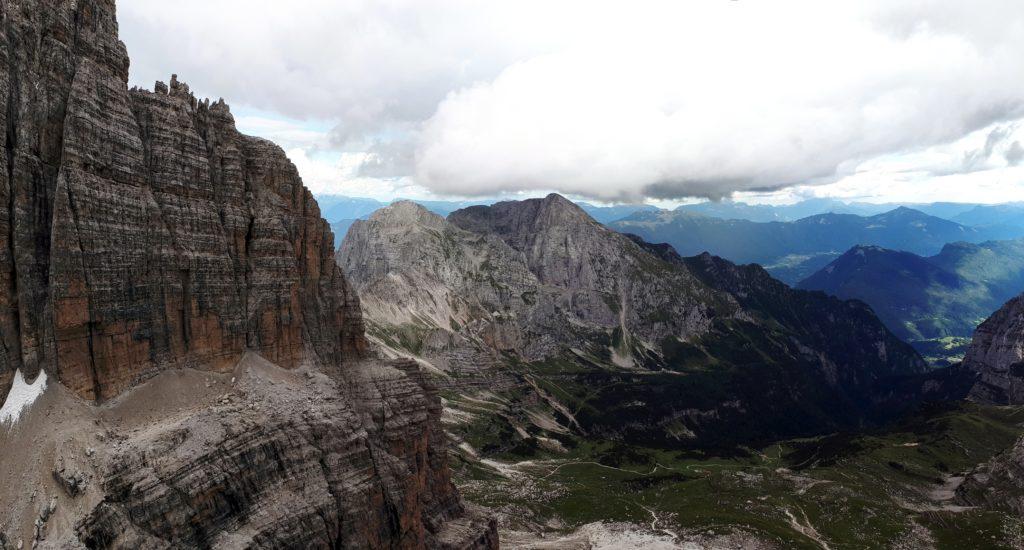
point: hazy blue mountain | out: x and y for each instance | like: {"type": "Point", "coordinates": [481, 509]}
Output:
{"type": "Point", "coordinates": [338, 207]}
{"type": "Point", "coordinates": [794, 250]}
{"type": "Point", "coordinates": [945, 296]}
{"type": "Point", "coordinates": [443, 208]}
{"type": "Point", "coordinates": [340, 228]}
{"type": "Point", "coordinates": [915, 298]}
{"type": "Point", "coordinates": [608, 214]}
{"type": "Point", "coordinates": [993, 215]}
{"type": "Point", "coordinates": [948, 210]}
{"type": "Point", "coordinates": [734, 210]}
{"type": "Point", "coordinates": [999, 265]}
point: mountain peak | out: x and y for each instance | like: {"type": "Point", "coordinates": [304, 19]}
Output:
{"type": "Point", "coordinates": [403, 212]}
{"type": "Point", "coordinates": [904, 212]}
{"type": "Point", "coordinates": [558, 202]}
{"type": "Point", "coordinates": [863, 249]}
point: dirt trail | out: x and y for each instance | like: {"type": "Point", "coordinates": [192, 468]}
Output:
{"type": "Point", "coordinates": [805, 528]}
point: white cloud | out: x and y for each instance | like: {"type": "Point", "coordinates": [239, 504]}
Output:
{"type": "Point", "coordinates": [707, 98]}
{"type": "Point", "coordinates": [288, 134]}
{"type": "Point", "coordinates": [609, 100]}
{"type": "Point", "coordinates": [332, 173]}
{"type": "Point", "coordinates": [367, 65]}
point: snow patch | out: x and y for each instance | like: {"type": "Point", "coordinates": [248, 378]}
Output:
{"type": "Point", "coordinates": [21, 397]}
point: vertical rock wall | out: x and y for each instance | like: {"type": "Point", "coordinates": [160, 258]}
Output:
{"type": "Point", "coordinates": [996, 355]}
{"type": "Point", "coordinates": [139, 233]}
{"type": "Point", "coordinates": [141, 230]}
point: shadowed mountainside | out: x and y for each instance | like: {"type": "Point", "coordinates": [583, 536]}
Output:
{"type": "Point", "coordinates": [713, 351]}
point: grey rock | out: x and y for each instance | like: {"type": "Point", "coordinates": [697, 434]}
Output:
{"type": "Point", "coordinates": [540, 280]}
{"type": "Point", "coordinates": [142, 234]}
{"type": "Point", "coordinates": [71, 479]}
{"type": "Point", "coordinates": [997, 484]}
{"type": "Point", "coordinates": [997, 356]}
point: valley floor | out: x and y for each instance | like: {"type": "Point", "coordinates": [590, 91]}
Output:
{"type": "Point", "coordinates": [891, 488]}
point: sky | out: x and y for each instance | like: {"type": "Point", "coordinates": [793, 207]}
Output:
{"type": "Point", "coordinates": [640, 101]}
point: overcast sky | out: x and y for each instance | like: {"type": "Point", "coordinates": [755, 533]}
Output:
{"type": "Point", "coordinates": [901, 100]}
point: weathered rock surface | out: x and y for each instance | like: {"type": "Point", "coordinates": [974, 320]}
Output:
{"type": "Point", "coordinates": [142, 231]}
{"type": "Point", "coordinates": [665, 349]}
{"type": "Point", "coordinates": [997, 484]}
{"type": "Point", "coordinates": [259, 457]}
{"type": "Point", "coordinates": [997, 356]}
{"type": "Point", "coordinates": [432, 288]}
{"type": "Point", "coordinates": [141, 234]}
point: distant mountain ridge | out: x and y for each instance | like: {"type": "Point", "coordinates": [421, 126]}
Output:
{"type": "Point", "coordinates": [924, 299]}
{"type": "Point", "coordinates": [730, 209]}
{"type": "Point", "coordinates": [996, 215]}
{"type": "Point", "coordinates": [341, 211]}
{"type": "Point", "coordinates": [793, 251]}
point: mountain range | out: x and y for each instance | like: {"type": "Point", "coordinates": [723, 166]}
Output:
{"type": "Point", "coordinates": [577, 363]}
{"type": "Point", "coordinates": [187, 362]}
{"type": "Point", "coordinates": [792, 251]}
{"type": "Point", "coordinates": [965, 213]}
{"type": "Point", "coordinates": [343, 211]}
{"type": "Point", "coordinates": [924, 299]}
{"type": "Point", "coordinates": [612, 322]}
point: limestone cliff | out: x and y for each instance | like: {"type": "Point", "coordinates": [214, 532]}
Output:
{"type": "Point", "coordinates": [141, 233]}
{"type": "Point", "coordinates": [997, 356]}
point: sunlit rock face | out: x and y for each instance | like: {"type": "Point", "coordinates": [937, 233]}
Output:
{"type": "Point", "coordinates": [997, 356]}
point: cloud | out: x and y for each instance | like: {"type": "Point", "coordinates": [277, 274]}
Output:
{"type": "Point", "coordinates": [716, 97]}
{"type": "Point", "coordinates": [1014, 154]}
{"type": "Point", "coordinates": [608, 100]}
{"type": "Point", "coordinates": [977, 158]}
{"type": "Point", "coordinates": [368, 66]}
{"type": "Point", "coordinates": [286, 133]}
{"type": "Point", "coordinates": [389, 159]}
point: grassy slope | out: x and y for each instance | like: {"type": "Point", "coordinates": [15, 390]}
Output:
{"type": "Point", "coordinates": [865, 491]}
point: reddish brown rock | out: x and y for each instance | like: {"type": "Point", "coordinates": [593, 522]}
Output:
{"type": "Point", "coordinates": [142, 231]}
{"type": "Point", "coordinates": [142, 237]}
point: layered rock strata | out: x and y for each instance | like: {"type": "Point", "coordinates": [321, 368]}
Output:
{"type": "Point", "coordinates": [997, 356]}
{"type": "Point", "coordinates": [142, 234]}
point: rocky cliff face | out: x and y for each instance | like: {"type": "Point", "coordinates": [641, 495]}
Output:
{"type": "Point", "coordinates": [997, 484]}
{"type": "Point", "coordinates": [997, 356]}
{"type": "Point", "coordinates": [636, 342]}
{"type": "Point", "coordinates": [141, 233]}
{"type": "Point", "coordinates": [453, 293]}
{"type": "Point", "coordinates": [448, 295]}
{"type": "Point", "coordinates": [602, 279]}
